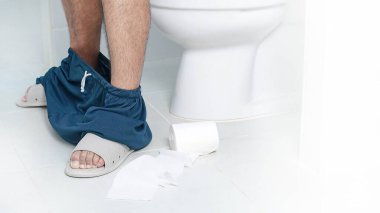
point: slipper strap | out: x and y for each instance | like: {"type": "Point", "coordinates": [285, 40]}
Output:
{"type": "Point", "coordinates": [110, 151]}
{"type": "Point", "coordinates": [35, 94]}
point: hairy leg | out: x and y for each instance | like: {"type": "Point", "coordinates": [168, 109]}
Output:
{"type": "Point", "coordinates": [84, 19]}
{"type": "Point", "coordinates": [127, 26]}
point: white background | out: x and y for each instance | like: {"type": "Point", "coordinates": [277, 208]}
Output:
{"type": "Point", "coordinates": [341, 106]}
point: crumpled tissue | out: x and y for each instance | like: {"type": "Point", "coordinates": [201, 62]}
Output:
{"type": "Point", "coordinates": [140, 178]}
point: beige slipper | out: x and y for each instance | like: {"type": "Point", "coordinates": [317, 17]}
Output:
{"type": "Point", "coordinates": [112, 153]}
{"type": "Point", "coordinates": [34, 97]}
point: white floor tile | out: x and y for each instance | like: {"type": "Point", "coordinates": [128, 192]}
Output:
{"type": "Point", "coordinates": [8, 156]}
{"type": "Point", "coordinates": [19, 194]}
{"type": "Point", "coordinates": [202, 188]}
{"type": "Point", "coordinates": [64, 194]}
{"type": "Point", "coordinates": [261, 162]}
{"type": "Point", "coordinates": [160, 130]}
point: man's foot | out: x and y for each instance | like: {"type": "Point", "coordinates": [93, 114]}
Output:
{"type": "Point", "coordinates": [85, 160]}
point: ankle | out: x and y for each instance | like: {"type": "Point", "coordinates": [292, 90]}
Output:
{"type": "Point", "coordinates": [89, 55]}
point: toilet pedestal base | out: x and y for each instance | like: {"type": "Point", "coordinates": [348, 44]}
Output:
{"type": "Point", "coordinates": [215, 83]}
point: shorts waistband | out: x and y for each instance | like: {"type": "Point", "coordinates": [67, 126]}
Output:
{"type": "Point", "coordinates": [105, 64]}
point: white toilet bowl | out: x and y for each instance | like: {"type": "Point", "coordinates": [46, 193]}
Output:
{"type": "Point", "coordinates": [220, 40]}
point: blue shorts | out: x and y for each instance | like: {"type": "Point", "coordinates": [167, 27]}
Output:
{"type": "Point", "coordinates": [82, 100]}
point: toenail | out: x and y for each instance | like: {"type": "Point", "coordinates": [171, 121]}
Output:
{"type": "Point", "coordinates": [75, 164]}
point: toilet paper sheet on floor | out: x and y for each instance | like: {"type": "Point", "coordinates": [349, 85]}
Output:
{"type": "Point", "coordinates": [140, 179]}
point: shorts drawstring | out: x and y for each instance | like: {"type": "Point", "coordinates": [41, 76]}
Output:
{"type": "Point", "coordinates": [83, 82]}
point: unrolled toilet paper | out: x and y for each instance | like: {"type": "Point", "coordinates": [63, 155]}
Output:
{"type": "Point", "coordinates": [198, 137]}
{"type": "Point", "coordinates": [140, 178]}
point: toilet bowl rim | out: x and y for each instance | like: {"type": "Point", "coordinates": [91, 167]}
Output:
{"type": "Point", "coordinates": [216, 4]}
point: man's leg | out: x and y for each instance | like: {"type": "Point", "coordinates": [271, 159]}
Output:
{"type": "Point", "coordinates": [84, 19]}
{"type": "Point", "coordinates": [127, 26]}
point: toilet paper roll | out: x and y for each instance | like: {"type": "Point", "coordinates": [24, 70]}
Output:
{"type": "Point", "coordinates": [199, 137]}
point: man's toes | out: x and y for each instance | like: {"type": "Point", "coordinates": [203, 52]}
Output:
{"type": "Point", "coordinates": [100, 162]}
{"type": "Point", "coordinates": [74, 160]}
{"type": "Point", "coordinates": [89, 157]}
{"type": "Point", "coordinates": [82, 159]}
{"type": "Point", "coordinates": [95, 160]}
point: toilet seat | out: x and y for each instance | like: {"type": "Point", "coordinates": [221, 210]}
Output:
{"type": "Point", "coordinates": [215, 4]}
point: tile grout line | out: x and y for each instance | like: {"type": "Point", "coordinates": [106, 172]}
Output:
{"type": "Point", "coordinates": [232, 182]}
{"type": "Point", "coordinates": [27, 171]}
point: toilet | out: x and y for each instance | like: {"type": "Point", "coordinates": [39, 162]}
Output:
{"type": "Point", "coordinates": [220, 40]}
